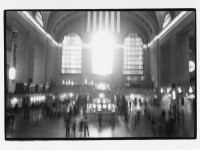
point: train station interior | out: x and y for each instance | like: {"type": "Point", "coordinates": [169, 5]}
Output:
{"type": "Point", "coordinates": [81, 74]}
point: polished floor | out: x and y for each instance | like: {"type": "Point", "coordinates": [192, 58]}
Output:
{"type": "Point", "coordinates": [55, 128]}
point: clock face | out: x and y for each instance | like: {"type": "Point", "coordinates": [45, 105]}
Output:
{"type": "Point", "coordinates": [191, 66]}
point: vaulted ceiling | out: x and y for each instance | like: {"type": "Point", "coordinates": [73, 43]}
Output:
{"type": "Point", "coordinates": [146, 23]}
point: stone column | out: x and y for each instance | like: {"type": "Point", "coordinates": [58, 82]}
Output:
{"type": "Point", "coordinates": [12, 84]}
{"type": "Point", "coordinates": [182, 76]}
{"type": "Point", "coordinates": [31, 55]}
{"type": "Point", "coordinates": [173, 51]}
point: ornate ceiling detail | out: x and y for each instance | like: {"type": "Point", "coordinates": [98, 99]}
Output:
{"type": "Point", "coordinates": [146, 23]}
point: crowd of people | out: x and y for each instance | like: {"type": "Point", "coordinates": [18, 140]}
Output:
{"type": "Point", "coordinates": [76, 118]}
{"type": "Point", "coordinates": [165, 124]}
{"type": "Point", "coordinates": [122, 108]}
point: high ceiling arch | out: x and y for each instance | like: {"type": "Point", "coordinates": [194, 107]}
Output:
{"type": "Point", "coordinates": [146, 23]}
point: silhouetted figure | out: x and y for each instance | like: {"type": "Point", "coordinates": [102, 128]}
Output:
{"type": "Point", "coordinates": [112, 121]}
{"type": "Point", "coordinates": [26, 110]}
{"type": "Point", "coordinates": [136, 121]}
{"type": "Point", "coordinates": [67, 124]}
{"type": "Point", "coordinates": [171, 123]}
{"type": "Point", "coordinates": [81, 126]}
{"type": "Point", "coordinates": [100, 119]}
{"type": "Point", "coordinates": [74, 126]}
{"type": "Point", "coordinates": [126, 119]}
{"type": "Point", "coordinates": [86, 129]}
{"type": "Point", "coordinates": [163, 123]}
{"type": "Point", "coordinates": [10, 118]}
{"type": "Point", "coordinates": [153, 128]}
{"type": "Point", "coordinates": [138, 115]}
{"type": "Point", "coordinates": [163, 114]}
{"type": "Point", "coordinates": [16, 108]}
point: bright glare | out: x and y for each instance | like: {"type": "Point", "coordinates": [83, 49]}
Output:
{"type": "Point", "coordinates": [132, 96]}
{"type": "Point", "coordinates": [102, 53]}
{"type": "Point", "coordinates": [179, 90]}
{"type": "Point", "coordinates": [161, 90]}
{"type": "Point", "coordinates": [191, 66]}
{"type": "Point", "coordinates": [71, 94]}
{"type": "Point", "coordinates": [190, 90]}
{"type": "Point", "coordinates": [12, 73]}
{"type": "Point", "coordinates": [14, 101]}
{"type": "Point", "coordinates": [173, 95]}
{"type": "Point", "coordinates": [101, 95]}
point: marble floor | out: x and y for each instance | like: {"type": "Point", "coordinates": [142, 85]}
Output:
{"type": "Point", "coordinates": [55, 128]}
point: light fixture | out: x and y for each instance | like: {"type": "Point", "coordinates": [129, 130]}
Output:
{"type": "Point", "coordinates": [132, 96]}
{"type": "Point", "coordinates": [145, 46]}
{"type": "Point", "coordinates": [173, 95]}
{"type": "Point", "coordinates": [34, 99]}
{"type": "Point", "coordinates": [99, 106]}
{"type": "Point", "coordinates": [109, 106]}
{"type": "Point", "coordinates": [101, 95]}
{"type": "Point", "coordinates": [89, 106]}
{"type": "Point", "coordinates": [71, 94]}
{"type": "Point", "coordinates": [190, 90]}
{"type": "Point", "coordinates": [14, 101]}
{"type": "Point", "coordinates": [168, 90]}
{"type": "Point", "coordinates": [179, 90]}
{"type": "Point", "coordinates": [12, 73]}
{"type": "Point", "coordinates": [191, 66]}
{"type": "Point", "coordinates": [161, 90]}
{"type": "Point", "coordinates": [98, 101]}
{"type": "Point", "coordinates": [31, 99]}
{"type": "Point", "coordinates": [104, 106]}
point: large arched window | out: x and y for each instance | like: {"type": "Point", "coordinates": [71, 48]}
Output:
{"type": "Point", "coordinates": [71, 54]}
{"type": "Point", "coordinates": [167, 20]}
{"type": "Point", "coordinates": [133, 55]}
{"type": "Point", "coordinates": [39, 18]}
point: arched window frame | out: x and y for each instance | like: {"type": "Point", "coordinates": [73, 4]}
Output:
{"type": "Point", "coordinates": [166, 20]}
{"type": "Point", "coordinates": [133, 55]}
{"type": "Point", "coordinates": [39, 18]}
{"type": "Point", "coordinates": [71, 54]}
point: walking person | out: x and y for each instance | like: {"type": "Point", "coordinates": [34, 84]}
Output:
{"type": "Point", "coordinates": [136, 121]}
{"type": "Point", "coordinates": [81, 124]}
{"type": "Point", "coordinates": [163, 124]}
{"type": "Point", "coordinates": [112, 124]}
{"type": "Point", "coordinates": [74, 126]}
{"type": "Point", "coordinates": [86, 129]}
{"type": "Point", "coordinates": [171, 123]}
{"type": "Point", "coordinates": [153, 128]}
{"type": "Point", "coordinates": [67, 124]}
{"type": "Point", "coordinates": [126, 119]}
{"type": "Point", "coordinates": [100, 119]}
